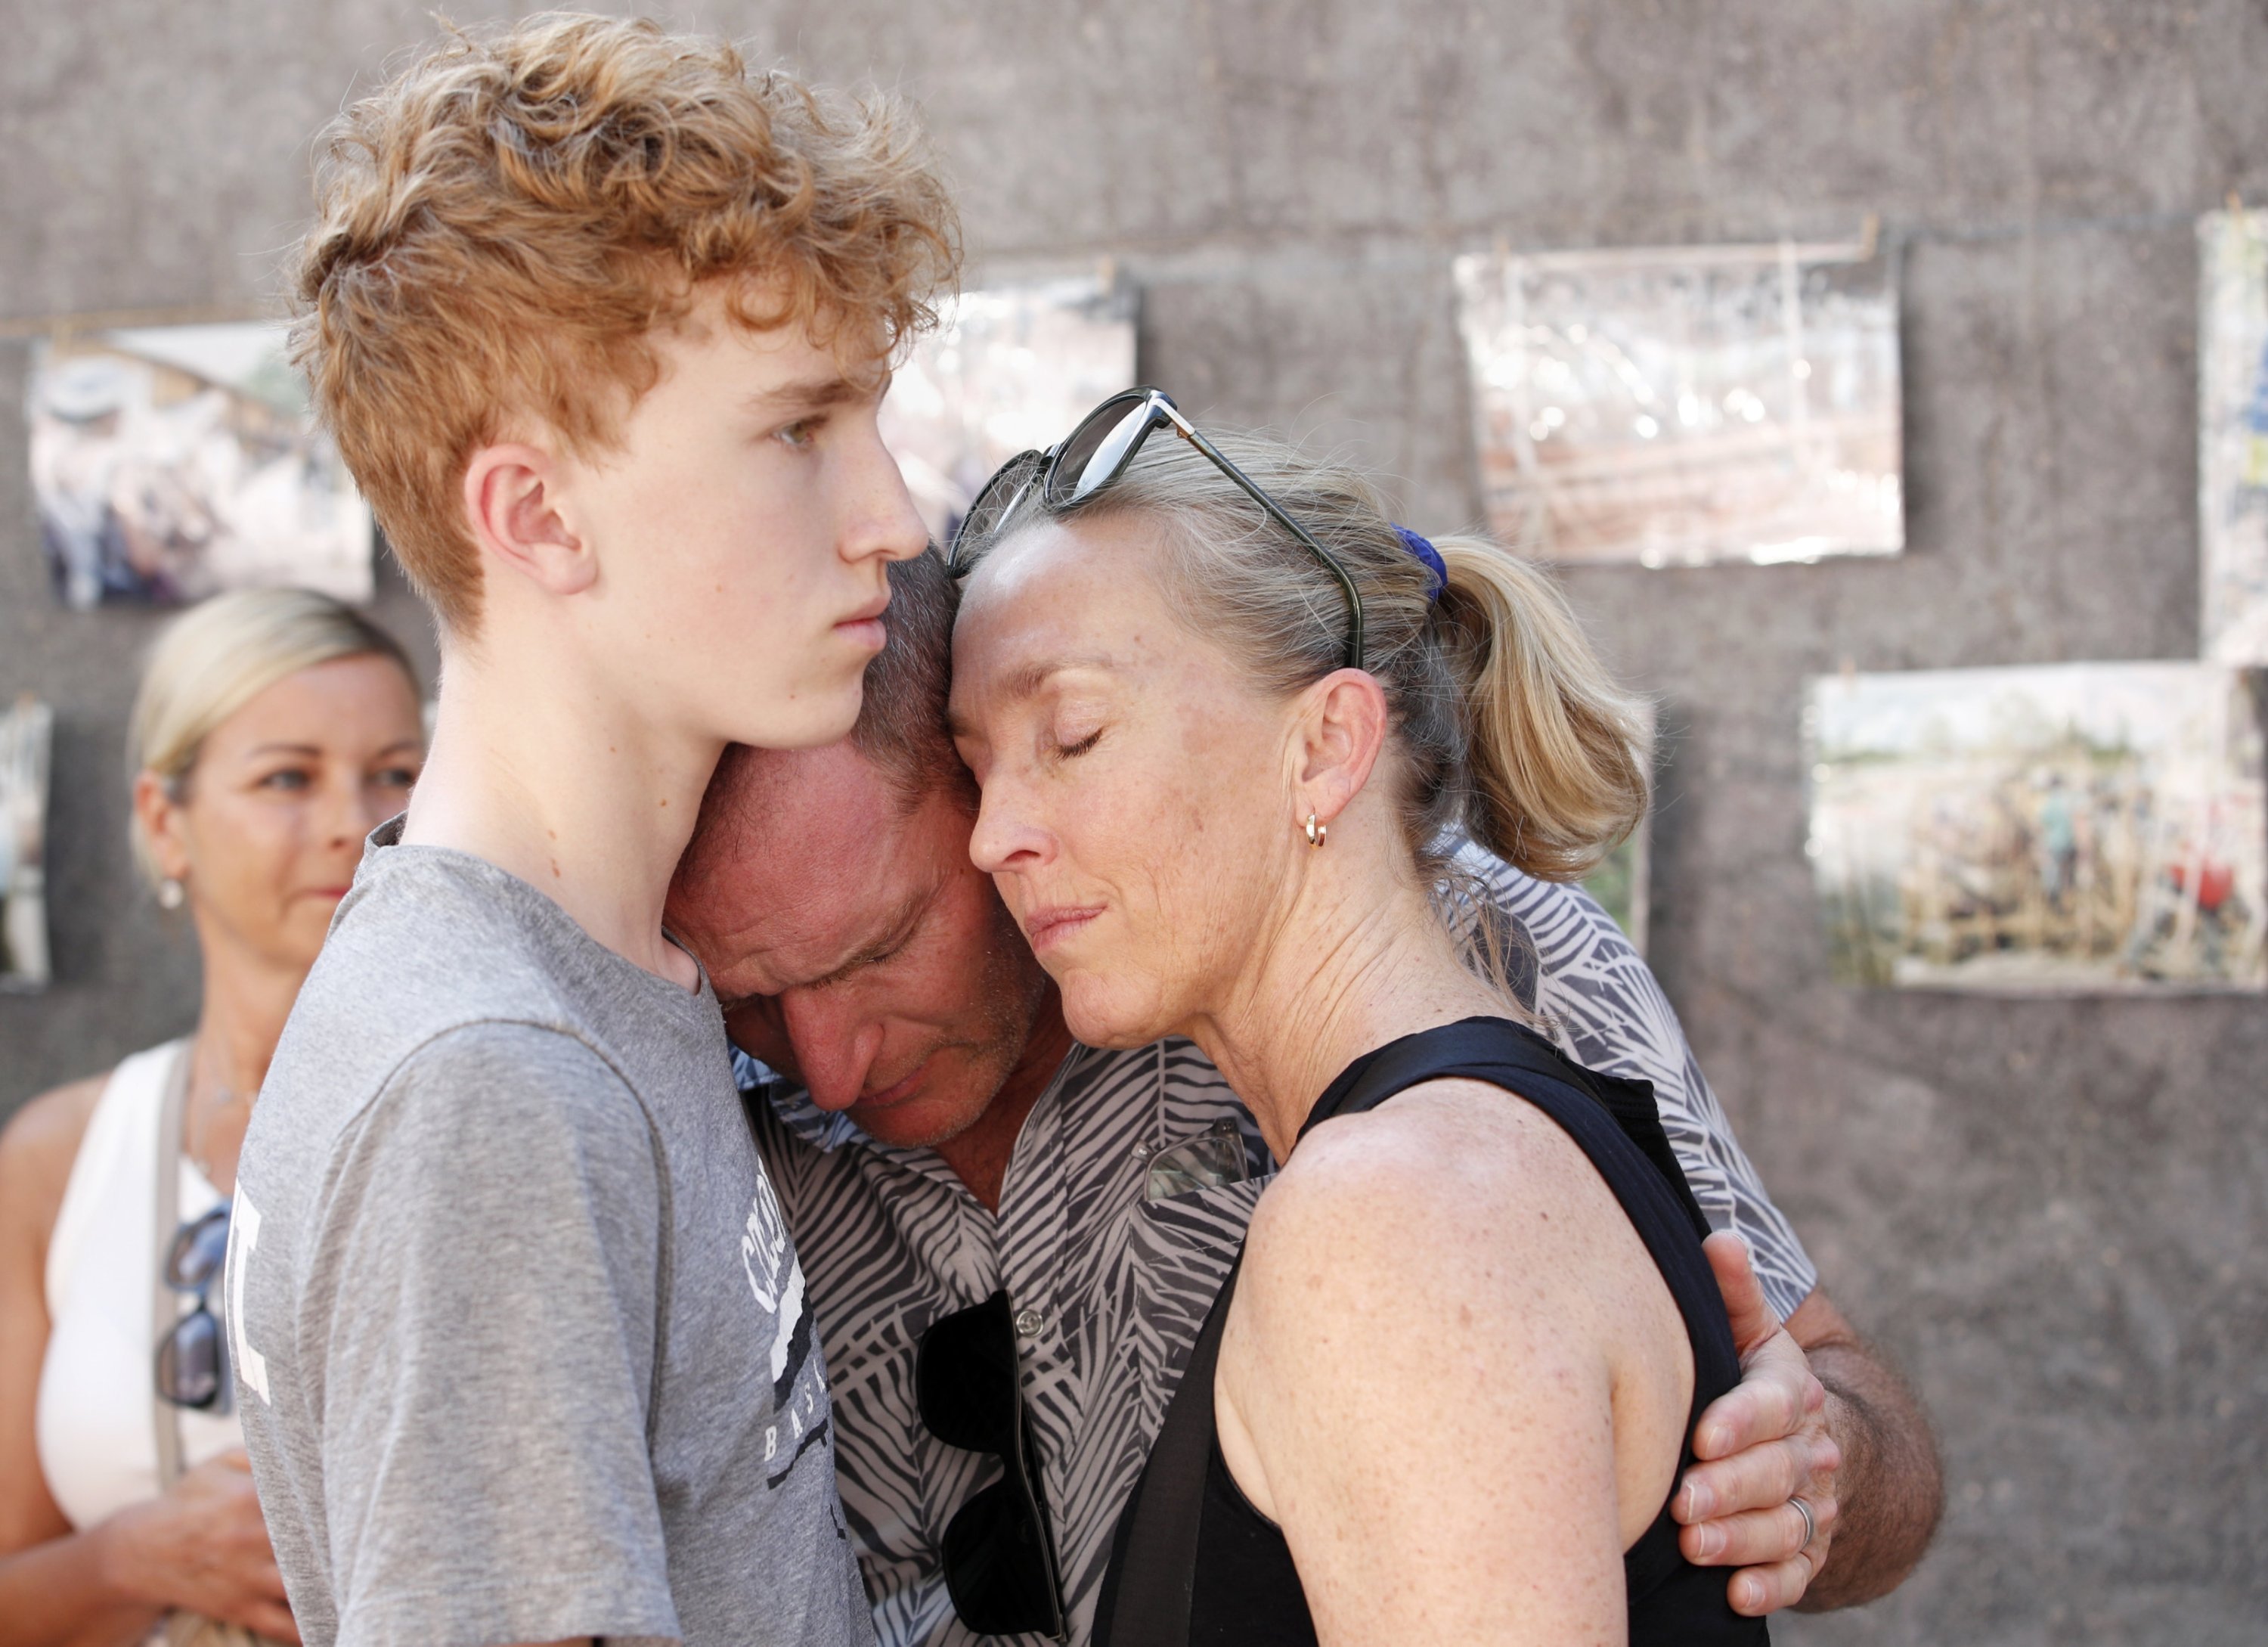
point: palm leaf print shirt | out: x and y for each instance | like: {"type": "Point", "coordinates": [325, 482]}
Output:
{"type": "Point", "coordinates": [1125, 1199]}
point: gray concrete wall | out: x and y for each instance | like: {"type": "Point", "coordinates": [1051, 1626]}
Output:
{"type": "Point", "coordinates": [2051, 1213]}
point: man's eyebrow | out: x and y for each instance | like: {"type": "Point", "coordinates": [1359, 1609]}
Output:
{"type": "Point", "coordinates": [903, 920]}
{"type": "Point", "coordinates": [805, 396]}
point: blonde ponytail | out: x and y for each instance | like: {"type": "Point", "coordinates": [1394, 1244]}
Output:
{"type": "Point", "coordinates": [1553, 759]}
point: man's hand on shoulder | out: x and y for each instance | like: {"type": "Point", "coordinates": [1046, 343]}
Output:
{"type": "Point", "coordinates": [1816, 1418]}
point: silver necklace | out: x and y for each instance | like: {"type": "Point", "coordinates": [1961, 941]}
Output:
{"type": "Point", "coordinates": [196, 1135]}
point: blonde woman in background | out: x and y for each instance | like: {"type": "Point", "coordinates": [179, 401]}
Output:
{"type": "Point", "coordinates": [274, 730]}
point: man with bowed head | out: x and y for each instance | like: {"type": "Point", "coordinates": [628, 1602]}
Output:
{"type": "Point", "coordinates": [940, 1143]}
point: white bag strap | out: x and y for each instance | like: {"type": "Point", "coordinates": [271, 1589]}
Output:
{"type": "Point", "coordinates": [164, 1308]}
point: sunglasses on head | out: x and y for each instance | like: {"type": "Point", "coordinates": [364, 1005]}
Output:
{"type": "Point", "coordinates": [192, 1365]}
{"type": "Point", "coordinates": [999, 1552]}
{"type": "Point", "coordinates": [1096, 454]}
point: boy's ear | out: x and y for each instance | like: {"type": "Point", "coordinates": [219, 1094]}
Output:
{"type": "Point", "coordinates": [510, 499]}
{"type": "Point", "coordinates": [1342, 725]}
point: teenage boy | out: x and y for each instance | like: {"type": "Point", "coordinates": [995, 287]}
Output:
{"type": "Point", "coordinates": [600, 323]}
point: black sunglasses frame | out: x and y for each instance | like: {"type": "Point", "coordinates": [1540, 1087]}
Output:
{"type": "Point", "coordinates": [197, 1337]}
{"type": "Point", "coordinates": [1044, 472]}
{"type": "Point", "coordinates": [1020, 1490]}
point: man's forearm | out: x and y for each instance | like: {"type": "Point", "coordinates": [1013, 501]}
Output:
{"type": "Point", "coordinates": [1891, 1487]}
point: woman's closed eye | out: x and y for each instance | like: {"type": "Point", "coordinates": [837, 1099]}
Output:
{"type": "Point", "coordinates": [1067, 750]}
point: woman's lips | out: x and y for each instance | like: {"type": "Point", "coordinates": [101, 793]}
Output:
{"type": "Point", "coordinates": [1044, 928]}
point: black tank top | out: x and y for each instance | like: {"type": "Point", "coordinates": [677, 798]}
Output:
{"type": "Point", "coordinates": [1193, 1562]}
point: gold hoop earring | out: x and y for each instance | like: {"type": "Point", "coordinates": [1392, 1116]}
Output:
{"type": "Point", "coordinates": [1317, 833]}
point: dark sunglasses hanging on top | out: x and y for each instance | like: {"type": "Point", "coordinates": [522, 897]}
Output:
{"type": "Point", "coordinates": [999, 1551]}
{"type": "Point", "coordinates": [192, 1362]}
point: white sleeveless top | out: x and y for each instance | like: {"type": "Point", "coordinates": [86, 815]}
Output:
{"type": "Point", "coordinates": [97, 1440]}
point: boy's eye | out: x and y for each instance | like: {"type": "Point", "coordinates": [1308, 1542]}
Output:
{"type": "Point", "coordinates": [801, 433]}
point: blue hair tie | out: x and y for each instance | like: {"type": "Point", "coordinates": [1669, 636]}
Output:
{"type": "Point", "coordinates": [1427, 556]}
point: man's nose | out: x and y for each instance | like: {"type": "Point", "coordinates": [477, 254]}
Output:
{"type": "Point", "coordinates": [834, 1045]}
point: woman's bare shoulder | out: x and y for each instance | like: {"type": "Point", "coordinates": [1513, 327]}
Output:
{"type": "Point", "coordinates": [1449, 1172]}
{"type": "Point", "coordinates": [37, 1148]}
{"type": "Point", "coordinates": [1454, 1138]}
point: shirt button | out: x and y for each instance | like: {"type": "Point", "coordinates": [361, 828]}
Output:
{"type": "Point", "coordinates": [1029, 1322]}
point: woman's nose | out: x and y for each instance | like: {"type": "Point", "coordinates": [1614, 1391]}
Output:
{"type": "Point", "coordinates": [1006, 839]}
{"type": "Point", "coordinates": [345, 816]}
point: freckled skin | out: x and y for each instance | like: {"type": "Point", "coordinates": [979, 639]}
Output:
{"type": "Point", "coordinates": [1194, 862]}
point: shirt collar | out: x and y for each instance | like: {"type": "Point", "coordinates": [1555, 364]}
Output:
{"type": "Point", "coordinates": [829, 1131]}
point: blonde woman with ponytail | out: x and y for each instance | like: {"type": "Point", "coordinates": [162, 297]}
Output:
{"type": "Point", "coordinates": [274, 729]}
{"type": "Point", "coordinates": [1228, 719]}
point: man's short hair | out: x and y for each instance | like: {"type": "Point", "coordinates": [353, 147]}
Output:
{"type": "Point", "coordinates": [902, 726]}
{"type": "Point", "coordinates": [502, 226]}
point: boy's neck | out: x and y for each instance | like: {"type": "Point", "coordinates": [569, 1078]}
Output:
{"type": "Point", "coordinates": [533, 771]}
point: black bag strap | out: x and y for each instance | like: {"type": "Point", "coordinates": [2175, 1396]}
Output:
{"type": "Point", "coordinates": [1153, 1556]}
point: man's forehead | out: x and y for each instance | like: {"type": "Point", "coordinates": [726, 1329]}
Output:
{"type": "Point", "coordinates": [823, 860]}
{"type": "Point", "coordinates": [800, 915]}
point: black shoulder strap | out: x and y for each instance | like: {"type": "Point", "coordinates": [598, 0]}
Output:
{"type": "Point", "coordinates": [1508, 1055]}
{"type": "Point", "coordinates": [1153, 1556]}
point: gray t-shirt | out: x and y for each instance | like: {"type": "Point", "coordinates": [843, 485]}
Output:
{"type": "Point", "coordinates": [519, 1337]}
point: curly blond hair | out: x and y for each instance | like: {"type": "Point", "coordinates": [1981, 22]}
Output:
{"type": "Point", "coordinates": [502, 227]}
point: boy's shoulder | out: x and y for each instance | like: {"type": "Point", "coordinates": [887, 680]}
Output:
{"type": "Point", "coordinates": [428, 943]}
{"type": "Point", "coordinates": [442, 975]}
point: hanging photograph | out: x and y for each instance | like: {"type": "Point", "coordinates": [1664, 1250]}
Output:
{"type": "Point", "coordinates": [1682, 406]}
{"type": "Point", "coordinates": [1007, 369]}
{"type": "Point", "coordinates": [172, 462]}
{"type": "Point", "coordinates": [2087, 827]}
{"type": "Point", "coordinates": [27, 732]}
{"type": "Point", "coordinates": [2233, 434]}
